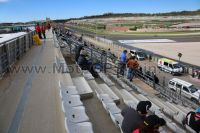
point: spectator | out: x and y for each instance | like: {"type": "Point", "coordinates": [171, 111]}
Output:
{"type": "Point", "coordinates": [48, 26]}
{"type": "Point", "coordinates": [77, 51]}
{"type": "Point", "coordinates": [133, 118]}
{"type": "Point", "coordinates": [122, 63]}
{"type": "Point", "coordinates": [43, 29]}
{"type": "Point", "coordinates": [150, 58]}
{"type": "Point", "coordinates": [193, 120]}
{"type": "Point", "coordinates": [132, 66]}
{"type": "Point", "coordinates": [129, 56]}
{"type": "Point", "coordinates": [150, 125]}
{"type": "Point", "coordinates": [82, 61]}
{"type": "Point", "coordinates": [38, 30]}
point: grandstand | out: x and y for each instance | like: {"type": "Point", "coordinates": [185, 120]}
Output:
{"type": "Point", "coordinates": [75, 101]}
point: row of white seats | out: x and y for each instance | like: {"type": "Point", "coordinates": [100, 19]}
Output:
{"type": "Point", "coordinates": [157, 107]}
{"type": "Point", "coordinates": [108, 103]}
{"type": "Point", "coordinates": [103, 89]}
{"type": "Point", "coordinates": [112, 109]}
{"type": "Point", "coordinates": [76, 119]}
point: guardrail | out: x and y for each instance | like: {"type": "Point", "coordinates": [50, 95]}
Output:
{"type": "Point", "coordinates": [13, 49]}
{"type": "Point", "coordinates": [114, 69]}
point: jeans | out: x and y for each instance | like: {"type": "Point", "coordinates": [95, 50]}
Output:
{"type": "Point", "coordinates": [122, 68]}
{"type": "Point", "coordinates": [131, 74]}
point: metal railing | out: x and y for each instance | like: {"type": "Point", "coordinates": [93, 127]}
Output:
{"type": "Point", "coordinates": [13, 49]}
{"type": "Point", "coordinates": [72, 41]}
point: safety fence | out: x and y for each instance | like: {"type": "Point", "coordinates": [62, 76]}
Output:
{"type": "Point", "coordinates": [13, 49]}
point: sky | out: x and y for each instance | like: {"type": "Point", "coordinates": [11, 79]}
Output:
{"type": "Point", "coordinates": [28, 10]}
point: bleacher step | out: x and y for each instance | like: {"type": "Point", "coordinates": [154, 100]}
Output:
{"type": "Point", "coordinates": [83, 87]}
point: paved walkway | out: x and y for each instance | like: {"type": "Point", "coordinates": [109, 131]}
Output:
{"type": "Point", "coordinates": [29, 101]}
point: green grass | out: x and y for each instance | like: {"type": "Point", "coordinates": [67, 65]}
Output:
{"type": "Point", "coordinates": [103, 32]}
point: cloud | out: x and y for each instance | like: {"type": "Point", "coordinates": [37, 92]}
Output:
{"type": "Point", "coordinates": [2, 1]}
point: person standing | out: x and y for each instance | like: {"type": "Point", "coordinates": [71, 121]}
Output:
{"type": "Point", "coordinates": [122, 63]}
{"type": "Point", "coordinates": [133, 118]}
{"type": "Point", "coordinates": [43, 28]}
{"type": "Point", "coordinates": [132, 65]}
{"type": "Point", "coordinates": [38, 30]}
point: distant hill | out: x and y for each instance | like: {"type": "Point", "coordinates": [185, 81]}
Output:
{"type": "Point", "coordinates": [109, 15]}
{"type": "Point", "coordinates": [181, 13]}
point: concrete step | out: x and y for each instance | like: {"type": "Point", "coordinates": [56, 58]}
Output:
{"type": "Point", "coordinates": [129, 99]}
{"type": "Point", "coordinates": [106, 79]}
{"type": "Point", "coordinates": [83, 87]}
{"type": "Point", "coordinates": [108, 90]}
{"type": "Point", "coordinates": [93, 84]}
{"type": "Point", "coordinates": [87, 75]}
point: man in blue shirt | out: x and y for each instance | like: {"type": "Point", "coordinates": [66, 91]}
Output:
{"type": "Point", "coordinates": [122, 63]}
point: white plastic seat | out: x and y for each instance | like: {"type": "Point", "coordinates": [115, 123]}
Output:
{"type": "Point", "coordinates": [108, 90]}
{"type": "Point", "coordinates": [84, 127]}
{"type": "Point", "coordinates": [72, 101]}
{"type": "Point", "coordinates": [69, 90]}
{"type": "Point", "coordinates": [175, 128]}
{"type": "Point", "coordinates": [112, 108]}
{"type": "Point", "coordinates": [117, 119]}
{"type": "Point", "coordinates": [76, 114]}
{"type": "Point", "coordinates": [105, 98]}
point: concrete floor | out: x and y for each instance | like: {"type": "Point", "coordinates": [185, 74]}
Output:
{"type": "Point", "coordinates": [29, 101]}
{"type": "Point", "coordinates": [190, 50]}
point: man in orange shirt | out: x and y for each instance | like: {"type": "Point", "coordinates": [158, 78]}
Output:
{"type": "Point", "coordinates": [132, 65]}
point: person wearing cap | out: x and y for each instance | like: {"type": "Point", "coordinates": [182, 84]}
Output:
{"type": "Point", "coordinates": [133, 118]}
{"type": "Point", "coordinates": [82, 60]}
{"type": "Point", "coordinates": [151, 124]}
{"type": "Point", "coordinates": [193, 120]}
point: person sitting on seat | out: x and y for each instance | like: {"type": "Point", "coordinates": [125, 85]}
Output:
{"type": "Point", "coordinates": [133, 118]}
{"type": "Point", "coordinates": [150, 125]}
{"type": "Point", "coordinates": [82, 60]}
{"type": "Point", "coordinates": [193, 120]}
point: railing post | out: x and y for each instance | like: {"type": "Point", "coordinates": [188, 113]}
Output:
{"type": "Point", "coordinates": [105, 64]}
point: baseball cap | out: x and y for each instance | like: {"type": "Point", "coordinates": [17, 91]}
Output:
{"type": "Point", "coordinates": [153, 121]}
{"type": "Point", "coordinates": [143, 106]}
{"type": "Point", "coordinates": [198, 110]}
